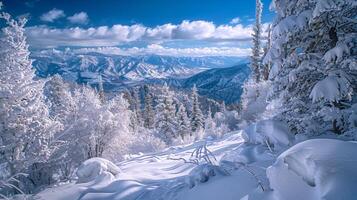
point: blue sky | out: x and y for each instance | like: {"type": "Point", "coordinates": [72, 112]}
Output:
{"type": "Point", "coordinates": [139, 26]}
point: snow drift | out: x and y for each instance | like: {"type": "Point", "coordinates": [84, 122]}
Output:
{"type": "Point", "coordinates": [95, 167]}
{"type": "Point", "coordinates": [315, 169]}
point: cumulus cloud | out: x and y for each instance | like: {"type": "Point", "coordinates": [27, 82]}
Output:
{"type": "Point", "coordinates": [166, 51]}
{"type": "Point", "coordinates": [194, 30]}
{"type": "Point", "coordinates": [79, 18]}
{"type": "Point", "coordinates": [52, 15]}
{"type": "Point", "coordinates": [43, 36]}
{"type": "Point", "coordinates": [236, 20]}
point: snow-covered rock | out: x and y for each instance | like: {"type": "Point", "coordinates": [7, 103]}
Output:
{"type": "Point", "coordinates": [273, 132]}
{"type": "Point", "coordinates": [315, 169]}
{"type": "Point", "coordinates": [94, 167]}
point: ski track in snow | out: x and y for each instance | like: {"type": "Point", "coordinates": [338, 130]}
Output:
{"type": "Point", "coordinates": [153, 177]}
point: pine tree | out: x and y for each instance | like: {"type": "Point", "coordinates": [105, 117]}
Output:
{"type": "Point", "coordinates": [184, 128]}
{"type": "Point", "coordinates": [254, 90]}
{"type": "Point", "coordinates": [210, 126]}
{"type": "Point", "coordinates": [101, 89]}
{"type": "Point", "coordinates": [149, 115]}
{"type": "Point", "coordinates": [25, 126]}
{"type": "Point", "coordinates": [137, 107]}
{"type": "Point", "coordinates": [313, 65]}
{"type": "Point", "coordinates": [197, 121]}
{"type": "Point", "coordinates": [132, 106]}
{"type": "Point", "coordinates": [165, 116]}
{"type": "Point", "coordinates": [256, 49]}
{"type": "Point", "coordinates": [266, 66]}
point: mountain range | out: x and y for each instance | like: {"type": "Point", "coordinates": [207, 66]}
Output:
{"type": "Point", "coordinates": [213, 76]}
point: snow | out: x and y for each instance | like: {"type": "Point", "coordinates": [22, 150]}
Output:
{"type": "Point", "coordinates": [155, 176]}
{"type": "Point", "coordinates": [276, 133]}
{"type": "Point", "coordinates": [292, 23]}
{"type": "Point", "coordinates": [315, 169]}
{"type": "Point", "coordinates": [332, 88]}
{"type": "Point", "coordinates": [92, 168]}
{"type": "Point", "coordinates": [311, 170]}
{"type": "Point", "coordinates": [329, 5]}
{"type": "Point", "coordinates": [336, 53]}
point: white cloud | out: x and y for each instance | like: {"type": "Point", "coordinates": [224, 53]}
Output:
{"type": "Point", "coordinates": [194, 30]}
{"type": "Point", "coordinates": [52, 15]}
{"type": "Point", "coordinates": [236, 20]}
{"type": "Point", "coordinates": [237, 32]}
{"type": "Point", "coordinates": [79, 18]}
{"type": "Point", "coordinates": [166, 51]}
{"type": "Point", "coordinates": [43, 36]}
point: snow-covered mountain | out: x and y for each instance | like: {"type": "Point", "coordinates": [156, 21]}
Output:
{"type": "Point", "coordinates": [118, 71]}
{"type": "Point", "coordinates": [220, 84]}
{"type": "Point", "coordinates": [214, 76]}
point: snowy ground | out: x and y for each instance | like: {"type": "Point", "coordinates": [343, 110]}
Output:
{"type": "Point", "coordinates": [161, 176]}
{"type": "Point", "coordinates": [314, 169]}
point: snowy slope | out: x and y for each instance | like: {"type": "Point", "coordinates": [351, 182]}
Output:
{"type": "Point", "coordinates": [245, 169]}
{"type": "Point", "coordinates": [161, 176]}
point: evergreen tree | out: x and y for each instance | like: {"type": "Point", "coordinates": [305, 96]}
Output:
{"type": "Point", "coordinates": [313, 65]}
{"type": "Point", "coordinates": [149, 115]}
{"type": "Point", "coordinates": [137, 107]}
{"type": "Point", "coordinates": [25, 126]}
{"type": "Point", "coordinates": [101, 89]}
{"type": "Point", "coordinates": [132, 106]}
{"type": "Point", "coordinates": [266, 66]}
{"type": "Point", "coordinates": [197, 121]}
{"type": "Point", "coordinates": [210, 126]}
{"type": "Point", "coordinates": [165, 116]}
{"type": "Point", "coordinates": [254, 91]}
{"type": "Point", "coordinates": [184, 128]}
{"type": "Point", "coordinates": [256, 49]}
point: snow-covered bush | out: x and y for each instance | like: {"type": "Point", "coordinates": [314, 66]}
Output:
{"type": "Point", "coordinates": [145, 141]}
{"type": "Point", "coordinates": [92, 168]}
{"type": "Point", "coordinates": [95, 128]}
{"type": "Point", "coordinates": [315, 169]}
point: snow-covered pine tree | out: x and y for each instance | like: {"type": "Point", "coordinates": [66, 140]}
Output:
{"type": "Point", "coordinates": [165, 120]}
{"type": "Point", "coordinates": [210, 126]}
{"type": "Point", "coordinates": [197, 120]}
{"type": "Point", "coordinates": [313, 56]}
{"type": "Point", "coordinates": [254, 89]}
{"type": "Point", "coordinates": [128, 95]}
{"type": "Point", "coordinates": [101, 89]}
{"type": "Point", "coordinates": [148, 115]}
{"type": "Point", "coordinates": [266, 66]}
{"type": "Point", "coordinates": [222, 107]}
{"type": "Point", "coordinates": [137, 107]}
{"type": "Point", "coordinates": [256, 56]}
{"type": "Point", "coordinates": [25, 126]}
{"type": "Point", "coordinates": [184, 126]}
